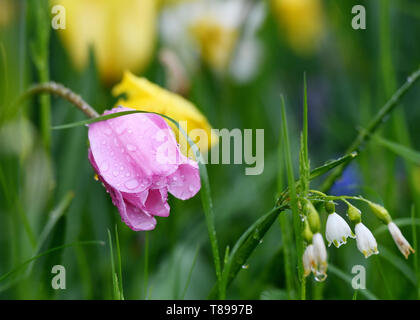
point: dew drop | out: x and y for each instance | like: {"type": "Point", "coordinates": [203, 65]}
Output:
{"type": "Point", "coordinates": [108, 132]}
{"type": "Point", "coordinates": [115, 173]}
{"type": "Point", "coordinates": [104, 142]}
{"type": "Point", "coordinates": [131, 147]}
{"type": "Point", "coordinates": [191, 188]}
{"type": "Point", "coordinates": [120, 130]}
{"type": "Point", "coordinates": [245, 266]}
{"type": "Point", "coordinates": [320, 277]}
{"type": "Point", "coordinates": [132, 184]}
{"type": "Point", "coordinates": [127, 174]}
{"type": "Point", "coordinates": [104, 166]}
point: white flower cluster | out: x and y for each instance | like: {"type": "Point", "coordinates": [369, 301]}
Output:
{"type": "Point", "coordinates": [337, 231]}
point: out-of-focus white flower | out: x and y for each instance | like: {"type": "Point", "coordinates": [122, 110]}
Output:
{"type": "Point", "coordinates": [366, 242]}
{"type": "Point", "coordinates": [209, 30]}
{"type": "Point", "coordinates": [308, 260]}
{"type": "Point", "coordinates": [249, 51]}
{"type": "Point", "coordinates": [399, 239]}
{"type": "Point", "coordinates": [320, 257]}
{"type": "Point", "coordinates": [337, 230]}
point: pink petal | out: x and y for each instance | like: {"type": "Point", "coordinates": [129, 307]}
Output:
{"type": "Point", "coordinates": [129, 208]}
{"type": "Point", "coordinates": [133, 216]}
{"type": "Point", "coordinates": [113, 163]}
{"type": "Point", "coordinates": [148, 140]}
{"type": "Point", "coordinates": [156, 202]}
{"type": "Point", "coordinates": [185, 182]}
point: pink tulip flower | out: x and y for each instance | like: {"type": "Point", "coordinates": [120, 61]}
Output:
{"type": "Point", "coordinates": [138, 160]}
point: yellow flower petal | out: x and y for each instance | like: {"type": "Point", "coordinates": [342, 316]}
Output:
{"type": "Point", "coordinates": [302, 21]}
{"type": "Point", "coordinates": [216, 42]}
{"type": "Point", "coordinates": [121, 33]}
{"type": "Point", "coordinates": [142, 94]}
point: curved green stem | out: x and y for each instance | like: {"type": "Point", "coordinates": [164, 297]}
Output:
{"type": "Point", "coordinates": [63, 92]}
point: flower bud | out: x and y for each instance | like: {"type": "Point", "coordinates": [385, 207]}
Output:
{"type": "Point", "coordinates": [307, 233]}
{"type": "Point", "coordinates": [354, 214]}
{"type": "Point", "coordinates": [330, 207]}
{"type": "Point", "coordinates": [380, 212]}
{"type": "Point", "coordinates": [313, 217]}
{"type": "Point", "coordinates": [399, 240]}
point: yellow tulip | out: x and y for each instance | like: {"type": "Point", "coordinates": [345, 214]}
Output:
{"type": "Point", "coordinates": [7, 12]}
{"type": "Point", "coordinates": [121, 33]}
{"type": "Point", "coordinates": [303, 23]}
{"type": "Point", "coordinates": [216, 42]}
{"type": "Point", "coordinates": [141, 94]}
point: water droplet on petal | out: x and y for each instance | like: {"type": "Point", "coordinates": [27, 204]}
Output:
{"type": "Point", "coordinates": [127, 174]}
{"type": "Point", "coordinates": [120, 130]}
{"type": "Point", "coordinates": [132, 184]}
{"type": "Point", "coordinates": [104, 167]}
{"type": "Point", "coordinates": [115, 173]}
{"type": "Point", "coordinates": [108, 132]}
{"type": "Point", "coordinates": [131, 147]}
{"type": "Point", "coordinates": [245, 266]}
{"type": "Point", "coordinates": [104, 142]}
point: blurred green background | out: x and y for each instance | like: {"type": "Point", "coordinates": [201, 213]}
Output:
{"type": "Point", "coordinates": [234, 73]}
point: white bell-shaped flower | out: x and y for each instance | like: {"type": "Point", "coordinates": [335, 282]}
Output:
{"type": "Point", "coordinates": [366, 242]}
{"type": "Point", "coordinates": [308, 260]}
{"type": "Point", "coordinates": [337, 230]}
{"type": "Point", "coordinates": [399, 239]}
{"type": "Point", "coordinates": [320, 257]}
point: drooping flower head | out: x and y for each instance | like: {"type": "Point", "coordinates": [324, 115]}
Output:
{"type": "Point", "coordinates": [337, 230]}
{"type": "Point", "coordinates": [320, 257]}
{"type": "Point", "coordinates": [138, 160]}
{"type": "Point", "coordinates": [366, 242]}
{"type": "Point", "coordinates": [400, 240]}
{"type": "Point", "coordinates": [308, 260]}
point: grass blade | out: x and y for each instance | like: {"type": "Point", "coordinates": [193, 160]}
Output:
{"type": "Point", "coordinates": [297, 225]}
{"type": "Point", "coordinates": [22, 265]}
{"type": "Point", "coordinates": [400, 150]}
{"type": "Point", "coordinates": [120, 283]}
{"type": "Point", "coordinates": [334, 270]}
{"type": "Point", "coordinates": [187, 283]}
{"type": "Point", "coordinates": [115, 286]}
